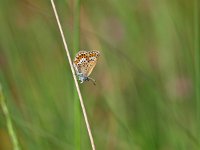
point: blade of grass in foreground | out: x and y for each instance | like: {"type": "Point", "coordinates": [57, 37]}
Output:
{"type": "Point", "coordinates": [9, 124]}
{"type": "Point", "coordinates": [74, 77]}
{"type": "Point", "coordinates": [197, 60]}
{"type": "Point", "coordinates": [77, 114]}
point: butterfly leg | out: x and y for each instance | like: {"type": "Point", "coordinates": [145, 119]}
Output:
{"type": "Point", "coordinates": [94, 82]}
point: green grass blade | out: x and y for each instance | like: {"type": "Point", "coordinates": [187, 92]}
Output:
{"type": "Point", "coordinates": [197, 59]}
{"type": "Point", "coordinates": [77, 113]}
{"type": "Point", "coordinates": [9, 123]}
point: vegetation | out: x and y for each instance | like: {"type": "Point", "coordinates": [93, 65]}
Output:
{"type": "Point", "coordinates": [147, 95]}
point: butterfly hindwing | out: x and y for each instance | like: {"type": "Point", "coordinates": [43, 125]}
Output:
{"type": "Point", "coordinates": [93, 57]}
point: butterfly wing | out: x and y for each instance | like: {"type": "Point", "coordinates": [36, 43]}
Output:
{"type": "Point", "coordinates": [80, 59]}
{"type": "Point", "coordinates": [93, 57]}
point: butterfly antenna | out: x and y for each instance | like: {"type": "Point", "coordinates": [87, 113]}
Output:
{"type": "Point", "coordinates": [91, 79]}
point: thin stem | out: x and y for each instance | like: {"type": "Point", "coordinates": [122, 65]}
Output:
{"type": "Point", "coordinates": [197, 60]}
{"type": "Point", "coordinates": [77, 113]}
{"type": "Point", "coordinates": [74, 76]}
{"type": "Point", "coordinates": [9, 124]}
{"type": "Point", "coordinates": [76, 24]}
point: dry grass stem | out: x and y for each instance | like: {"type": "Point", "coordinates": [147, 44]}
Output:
{"type": "Point", "coordinates": [74, 76]}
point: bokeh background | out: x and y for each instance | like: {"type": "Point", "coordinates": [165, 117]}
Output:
{"type": "Point", "coordinates": [147, 92]}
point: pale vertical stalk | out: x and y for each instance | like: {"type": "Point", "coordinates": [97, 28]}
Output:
{"type": "Point", "coordinates": [74, 76]}
{"type": "Point", "coordinates": [9, 124]}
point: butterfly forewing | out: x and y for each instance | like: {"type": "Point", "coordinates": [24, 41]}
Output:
{"type": "Point", "coordinates": [93, 57]}
{"type": "Point", "coordinates": [81, 57]}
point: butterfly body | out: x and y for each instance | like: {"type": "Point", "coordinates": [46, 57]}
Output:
{"type": "Point", "coordinates": [84, 62]}
{"type": "Point", "coordinates": [82, 78]}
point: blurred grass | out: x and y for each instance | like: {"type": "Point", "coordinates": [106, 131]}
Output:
{"type": "Point", "coordinates": [76, 47]}
{"type": "Point", "coordinates": [197, 59]}
{"type": "Point", "coordinates": [147, 92]}
{"type": "Point", "coordinates": [9, 124]}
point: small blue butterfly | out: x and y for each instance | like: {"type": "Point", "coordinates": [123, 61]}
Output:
{"type": "Point", "coordinates": [84, 63]}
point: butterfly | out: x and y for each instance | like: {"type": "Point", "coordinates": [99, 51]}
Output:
{"type": "Point", "coordinates": [84, 62]}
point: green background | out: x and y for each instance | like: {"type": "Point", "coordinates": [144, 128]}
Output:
{"type": "Point", "coordinates": [147, 95]}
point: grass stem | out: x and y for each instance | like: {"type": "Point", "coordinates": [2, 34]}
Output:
{"type": "Point", "coordinates": [9, 124]}
{"type": "Point", "coordinates": [197, 60]}
{"type": "Point", "coordinates": [76, 47]}
{"type": "Point", "coordinates": [74, 76]}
